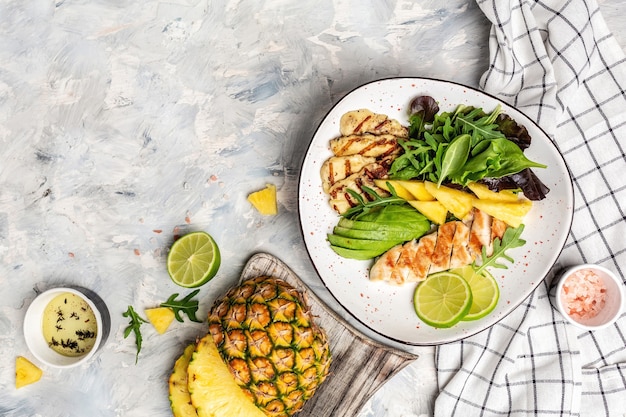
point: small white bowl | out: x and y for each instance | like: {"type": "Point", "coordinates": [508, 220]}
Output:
{"type": "Point", "coordinates": [33, 327]}
{"type": "Point", "coordinates": [614, 300]}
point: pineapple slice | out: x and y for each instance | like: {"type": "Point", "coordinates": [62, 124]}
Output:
{"type": "Point", "coordinates": [417, 189]}
{"type": "Point", "coordinates": [433, 210]}
{"type": "Point", "coordinates": [457, 202]}
{"type": "Point", "coordinates": [213, 390]}
{"type": "Point", "coordinates": [510, 213]}
{"type": "Point", "coordinates": [399, 189]}
{"type": "Point", "coordinates": [180, 400]}
{"type": "Point", "coordinates": [484, 193]}
{"type": "Point", "coordinates": [160, 317]}
{"type": "Point", "coordinates": [26, 372]}
{"type": "Point", "coordinates": [265, 200]}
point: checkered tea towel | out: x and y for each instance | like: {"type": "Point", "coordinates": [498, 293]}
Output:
{"type": "Point", "coordinates": [556, 61]}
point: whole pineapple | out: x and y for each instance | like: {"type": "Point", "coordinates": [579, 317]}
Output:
{"type": "Point", "coordinates": [265, 334]}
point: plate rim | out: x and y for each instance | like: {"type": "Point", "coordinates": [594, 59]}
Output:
{"type": "Point", "coordinates": [464, 335]}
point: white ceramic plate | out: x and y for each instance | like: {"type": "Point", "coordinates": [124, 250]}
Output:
{"type": "Point", "coordinates": [388, 310]}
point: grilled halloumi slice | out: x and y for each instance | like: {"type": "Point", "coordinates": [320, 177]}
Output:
{"type": "Point", "coordinates": [340, 198]}
{"type": "Point", "coordinates": [367, 145]}
{"type": "Point", "coordinates": [362, 121]}
{"type": "Point", "coordinates": [337, 168]}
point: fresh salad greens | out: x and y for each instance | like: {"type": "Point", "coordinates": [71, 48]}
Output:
{"type": "Point", "coordinates": [466, 145]}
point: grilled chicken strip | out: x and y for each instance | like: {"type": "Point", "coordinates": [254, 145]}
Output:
{"type": "Point", "coordinates": [440, 259]}
{"type": "Point", "coordinates": [461, 254]}
{"type": "Point", "coordinates": [362, 121]}
{"type": "Point", "coordinates": [453, 245]}
{"type": "Point", "coordinates": [484, 230]}
{"type": "Point", "coordinates": [405, 263]}
{"type": "Point", "coordinates": [367, 145]}
{"type": "Point", "coordinates": [337, 168]}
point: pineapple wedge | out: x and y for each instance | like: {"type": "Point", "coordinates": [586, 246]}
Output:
{"type": "Point", "coordinates": [399, 189]}
{"type": "Point", "coordinates": [457, 202]}
{"type": "Point", "coordinates": [510, 213]}
{"type": "Point", "coordinates": [180, 400]}
{"type": "Point", "coordinates": [213, 390]}
{"type": "Point", "coordinates": [417, 189]}
{"type": "Point", "coordinates": [265, 200]}
{"type": "Point", "coordinates": [160, 317]}
{"type": "Point", "coordinates": [26, 372]}
{"type": "Point", "coordinates": [433, 210]}
{"type": "Point", "coordinates": [484, 193]}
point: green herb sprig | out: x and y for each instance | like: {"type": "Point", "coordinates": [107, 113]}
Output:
{"type": "Point", "coordinates": [134, 326]}
{"type": "Point", "coordinates": [510, 239]}
{"type": "Point", "coordinates": [186, 306]}
{"type": "Point", "coordinates": [364, 206]}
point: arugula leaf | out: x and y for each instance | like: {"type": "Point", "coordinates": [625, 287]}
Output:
{"type": "Point", "coordinates": [365, 206]}
{"type": "Point", "coordinates": [186, 305]}
{"type": "Point", "coordinates": [480, 125]}
{"type": "Point", "coordinates": [510, 239]}
{"type": "Point", "coordinates": [135, 323]}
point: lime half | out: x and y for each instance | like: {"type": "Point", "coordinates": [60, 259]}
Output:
{"type": "Point", "coordinates": [485, 292]}
{"type": "Point", "coordinates": [443, 299]}
{"type": "Point", "coordinates": [193, 259]}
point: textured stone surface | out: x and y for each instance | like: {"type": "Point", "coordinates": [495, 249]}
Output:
{"type": "Point", "coordinates": [125, 124]}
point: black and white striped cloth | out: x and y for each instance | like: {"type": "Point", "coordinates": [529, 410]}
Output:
{"type": "Point", "coordinates": [557, 61]}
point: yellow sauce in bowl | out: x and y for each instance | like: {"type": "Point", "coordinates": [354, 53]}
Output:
{"type": "Point", "coordinates": [69, 325]}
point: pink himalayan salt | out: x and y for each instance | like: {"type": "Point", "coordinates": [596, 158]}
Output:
{"type": "Point", "coordinates": [583, 295]}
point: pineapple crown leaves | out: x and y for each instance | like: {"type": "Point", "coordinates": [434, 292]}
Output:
{"type": "Point", "coordinates": [134, 326]}
{"type": "Point", "coordinates": [510, 239]}
{"type": "Point", "coordinates": [186, 305]}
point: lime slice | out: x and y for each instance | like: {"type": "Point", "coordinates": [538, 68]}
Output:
{"type": "Point", "coordinates": [485, 292]}
{"type": "Point", "coordinates": [443, 299]}
{"type": "Point", "coordinates": [193, 259]}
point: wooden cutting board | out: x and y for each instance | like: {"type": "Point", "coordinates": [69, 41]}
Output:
{"type": "Point", "coordinates": [360, 365]}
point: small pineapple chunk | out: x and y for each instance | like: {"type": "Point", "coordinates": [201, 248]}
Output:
{"type": "Point", "coordinates": [160, 317]}
{"type": "Point", "coordinates": [457, 202]}
{"type": "Point", "coordinates": [265, 200]}
{"type": "Point", "coordinates": [417, 189]}
{"type": "Point", "coordinates": [433, 210]}
{"type": "Point", "coordinates": [26, 372]}
{"type": "Point", "coordinates": [398, 188]}
{"type": "Point", "coordinates": [510, 213]}
{"type": "Point", "coordinates": [484, 193]}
